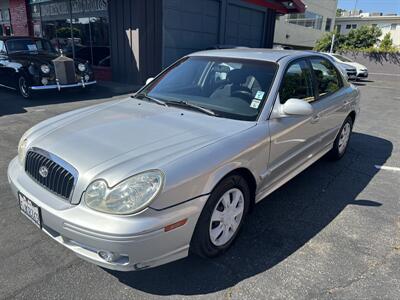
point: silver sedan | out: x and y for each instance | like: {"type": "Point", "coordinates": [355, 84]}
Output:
{"type": "Point", "coordinates": [135, 183]}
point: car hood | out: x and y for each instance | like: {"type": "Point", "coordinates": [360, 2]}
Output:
{"type": "Point", "coordinates": [357, 65]}
{"type": "Point", "coordinates": [38, 58]}
{"type": "Point", "coordinates": [129, 132]}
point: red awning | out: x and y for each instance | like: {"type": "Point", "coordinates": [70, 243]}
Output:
{"type": "Point", "coordinates": [281, 6]}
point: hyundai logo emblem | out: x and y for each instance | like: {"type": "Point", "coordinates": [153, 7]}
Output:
{"type": "Point", "coordinates": [43, 171]}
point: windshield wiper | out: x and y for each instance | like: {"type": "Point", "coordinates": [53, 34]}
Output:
{"type": "Point", "coordinates": [145, 96]}
{"type": "Point", "coordinates": [193, 106]}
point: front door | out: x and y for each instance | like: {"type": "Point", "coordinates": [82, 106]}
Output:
{"type": "Point", "coordinates": [3, 64]}
{"type": "Point", "coordinates": [294, 139]}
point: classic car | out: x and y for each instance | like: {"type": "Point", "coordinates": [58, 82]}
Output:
{"type": "Point", "coordinates": [141, 181]}
{"type": "Point", "coordinates": [32, 64]}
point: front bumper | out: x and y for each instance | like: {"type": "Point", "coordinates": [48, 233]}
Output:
{"type": "Point", "coordinates": [59, 87]}
{"type": "Point", "coordinates": [139, 240]}
{"type": "Point", "coordinates": [362, 74]}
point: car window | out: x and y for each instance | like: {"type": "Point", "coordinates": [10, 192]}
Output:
{"type": "Point", "coordinates": [29, 45]}
{"type": "Point", "coordinates": [2, 48]}
{"type": "Point", "coordinates": [327, 77]}
{"type": "Point", "coordinates": [232, 88]}
{"type": "Point", "coordinates": [297, 83]}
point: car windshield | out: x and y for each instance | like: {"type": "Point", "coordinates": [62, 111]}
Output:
{"type": "Point", "coordinates": [229, 88]}
{"type": "Point", "coordinates": [29, 45]}
{"type": "Point", "coordinates": [342, 58]}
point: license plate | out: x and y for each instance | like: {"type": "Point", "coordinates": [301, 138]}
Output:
{"type": "Point", "coordinates": [30, 210]}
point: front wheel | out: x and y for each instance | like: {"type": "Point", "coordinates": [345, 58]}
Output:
{"type": "Point", "coordinates": [342, 140]}
{"type": "Point", "coordinates": [24, 88]}
{"type": "Point", "coordinates": [222, 217]}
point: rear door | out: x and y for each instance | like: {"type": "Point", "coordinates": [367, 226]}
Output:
{"type": "Point", "coordinates": [331, 106]}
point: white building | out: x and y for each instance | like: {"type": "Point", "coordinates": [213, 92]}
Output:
{"type": "Point", "coordinates": [387, 24]}
{"type": "Point", "coordinates": [303, 30]}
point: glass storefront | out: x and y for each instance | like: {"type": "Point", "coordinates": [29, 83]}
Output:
{"type": "Point", "coordinates": [5, 25]}
{"type": "Point", "coordinates": [80, 28]}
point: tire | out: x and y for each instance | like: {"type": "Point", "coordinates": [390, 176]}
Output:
{"type": "Point", "coordinates": [23, 88]}
{"type": "Point", "coordinates": [342, 140]}
{"type": "Point", "coordinates": [208, 240]}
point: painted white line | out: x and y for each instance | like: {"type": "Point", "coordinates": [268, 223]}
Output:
{"type": "Point", "coordinates": [385, 74]}
{"type": "Point", "coordinates": [394, 169]}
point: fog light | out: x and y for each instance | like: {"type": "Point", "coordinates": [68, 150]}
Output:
{"type": "Point", "coordinates": [108, 256]}
{"type": "Point", "coordinates": [87, 77]}
{"type": "Point", "coordinates": [45, 81]}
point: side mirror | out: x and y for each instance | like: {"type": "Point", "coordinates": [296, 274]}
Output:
{"type": "Point", "coordinates": [297, 107]}
{"type": "Point", "coordinates": [149, 80]}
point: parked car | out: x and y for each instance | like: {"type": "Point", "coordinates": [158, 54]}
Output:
{"type": "Point", "coordinates": [135, 183]}
{"type": "Point", "coordinates": [32, 64]}
{"type": "Point", "coordinates": [347, 70]}
{"type": "Point", "coordinates": [361, 70]}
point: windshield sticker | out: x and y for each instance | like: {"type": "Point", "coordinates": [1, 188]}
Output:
{"type": "Point", "coordinates": [255, 103]}
{"type": "Point", "coordinates": [32, 47]}
{"type": "Point", "coordinates": [259, 95]}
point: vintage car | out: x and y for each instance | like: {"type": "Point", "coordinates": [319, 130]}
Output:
{"type": "Point", "coordinates": [141, 181]}
{"type": "Point", "coordinates": [32, 64]}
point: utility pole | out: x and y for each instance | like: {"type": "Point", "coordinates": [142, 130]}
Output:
{"type": "Point", "coordinates": [332, 43]}
{"type": "Point", "coordinates": [355, 7]}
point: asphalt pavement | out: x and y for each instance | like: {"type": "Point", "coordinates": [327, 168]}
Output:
{"type": "Point", "coordinates": [333, 232]}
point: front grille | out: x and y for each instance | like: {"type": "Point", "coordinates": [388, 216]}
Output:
{"type": "Point", "coordinates": [58, 179]}
{"type": "Point", "coordinates": [64, 69]}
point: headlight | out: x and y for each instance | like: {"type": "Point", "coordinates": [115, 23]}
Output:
{"type": "Point", "coordinates": [22, 150]}
{"type": "Point", "coordinates": [82, 67]}
{"type": "Point", "coordinates": [128, 197]}
{"type": "Point", "coordinates": [45, 69]}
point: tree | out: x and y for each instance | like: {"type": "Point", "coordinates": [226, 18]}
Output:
{"type": "Point", "coordinates": [363, 37]}
{"type": "Point", "coordinates": [324, 44]}
{"type": "Point", "coordinates": [387, 43]}
{"type": "Point", "coordinates": [357, 39]}
{"type": "Point", "coordinates": [339, 12]}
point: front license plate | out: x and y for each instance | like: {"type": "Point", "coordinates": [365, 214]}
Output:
{"type": "Point", "coordinates": [30, 210]}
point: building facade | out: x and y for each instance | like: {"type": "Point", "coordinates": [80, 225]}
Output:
{"type": "Point", "coordinates": [388, 24]}
{"type": "Point", "coordinates": [131, 40]}
{"type": "Point", "coordinates": [302, 30]}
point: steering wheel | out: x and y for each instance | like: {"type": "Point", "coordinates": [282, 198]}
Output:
{"type": "Point", "coordinates": [244, 93]}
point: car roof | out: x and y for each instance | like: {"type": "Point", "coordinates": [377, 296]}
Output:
{"type": "Point", "coordinates": [271, 55]}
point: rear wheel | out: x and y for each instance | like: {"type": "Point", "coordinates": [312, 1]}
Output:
{"type": "Point", "coordinates": [342, 140]}
{"type": "Point", "coordinates": [222, 217]}
{"type": "Point", "coordinates": [24, 88]}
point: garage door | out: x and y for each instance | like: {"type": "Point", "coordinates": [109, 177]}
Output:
{"type": "Point", "coordinates": [244, 26]}
{"type": "Point", "coordinates": [192, 25]}
{"type": "Point", "coordinates": [189, 26]}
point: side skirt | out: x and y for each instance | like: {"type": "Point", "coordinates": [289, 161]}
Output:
{"type": "Point", "coordinates": [264, 193]}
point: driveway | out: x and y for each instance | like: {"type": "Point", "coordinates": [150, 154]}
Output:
{"type": "Point", "coordinates": [333, 232]}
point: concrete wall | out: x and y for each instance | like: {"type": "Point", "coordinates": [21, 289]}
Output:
{"type": "Point", "coordinates": [387, 63]}
{"type": "Point", "coordinates": [304, 37]}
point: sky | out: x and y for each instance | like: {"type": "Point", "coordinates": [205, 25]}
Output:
{"type": "Point", "coordinates": [385, 6]}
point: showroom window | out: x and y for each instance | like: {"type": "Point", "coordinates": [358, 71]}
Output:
{"type": "Point", "coordinates": [84, 20]}
{"type": "Point", "coordinates": [307, 19]}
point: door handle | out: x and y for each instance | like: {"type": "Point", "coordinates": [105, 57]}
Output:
{"type": "Point", "coordinates": [315, 119]}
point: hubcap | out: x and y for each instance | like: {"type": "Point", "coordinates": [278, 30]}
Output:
{"type": "Point", "coordinates": [23, 87]}
{"type": "Point", "coordinates": [226, 217]}
{"type": "Point", "coordinates": [344, 137]}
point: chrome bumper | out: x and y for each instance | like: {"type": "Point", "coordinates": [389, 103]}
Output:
{"type": "Point", "coordinates": [62, 86]}
{"type": "Point", "coordinates": [140, 241]}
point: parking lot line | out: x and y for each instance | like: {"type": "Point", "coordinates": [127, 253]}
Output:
{"type": "Point", "coordinates": [386, 168]}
